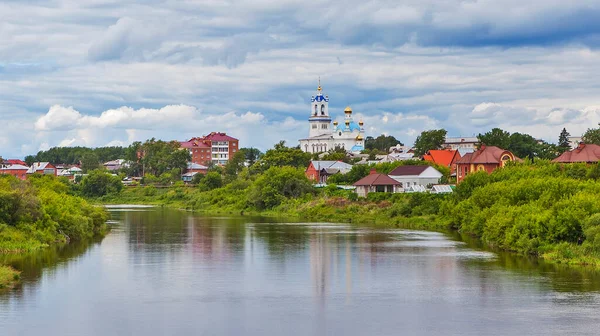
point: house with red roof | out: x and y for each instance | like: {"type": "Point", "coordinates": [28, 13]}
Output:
{"type": "Point", "coordinates": [15, 162]}
{"type": "Point", "coordinates": [215, 147]}
{"type": "Point", "coordinates": [16, 170]}
{"type": "Point", "coordinates": [583, 153]}
{"type": "Point", "coordinates": [487, 158]}
{"type": "Point", "coordinates": [375, 182]}
{"type": "Point", "coordinates": [319, 171]}
{"type": "Point", "coordinates": [443, 157]}
{"type": "Point", "coordinates": [45, 168]}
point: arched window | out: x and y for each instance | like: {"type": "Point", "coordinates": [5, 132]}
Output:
{"type": "Point", "coordinates": [316, 109]}
{"type": "Point", "coordinates": [505, 159]}
{"type": "Point", "coordinates": [325, 148]}
{"type": "Point", "coordinates": [340, 133]}
{"type": "Point", "coordinates": [322, 109]}
{"type": "Point", "coordinates": [306, 148]}
{"type": "Point", "coordinates": [480, 168]}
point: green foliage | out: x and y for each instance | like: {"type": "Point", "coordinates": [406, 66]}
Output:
{"type": "Point", "coordinates": [276, 184]}
{"type": "Point", "coordinates": [381, 143]}
{"type": "Point", "coordinates": [235, 165]}
{"type": "Point", "coordinates": [335, 154]}
{"type": "Point", "coordinates": [75, 155]}
{"type": "Point", "coordinates": [251, 154]}
{"type": "Point", "coordinates": [212, 180]}
{"type": "Point", "coordinates": [527, 207]}
{"type": "Point", "coordinates": [42, 211]}
{"type": "Point", "coordinates": [99, 183]}
{"type": "Point", "coordinates": [522, 145]}
{"type": "Point", "coordinates": [89, 161]}
{"type": "Point", "coordinates": [156, 157]}
{"type": "Point", "coordinates": [281, 156]}
{"type": "Point", "coordinates": [428, 140]}
{"type": "Point", "coordinates": [563, 141]}
{"type": "Point", "coordinates": [592, 136]}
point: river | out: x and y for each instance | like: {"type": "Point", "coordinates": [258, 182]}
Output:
{"type": "Point", "coordinates": [168, 272]}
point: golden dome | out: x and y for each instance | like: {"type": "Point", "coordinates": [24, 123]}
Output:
{"type": "Point", "coordinates": [348, 110]}
{"type": "Point", "coordinates": [359, 138]}
{"type": "Point", "coordinates": [335, 123]}
{"type": "Point", "coordinates": [361, 123]}
{"type": "Point", "coordinates": [347, 122]}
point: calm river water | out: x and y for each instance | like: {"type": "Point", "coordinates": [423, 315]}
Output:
{"type": "Point", "coordinates": [166, 272]}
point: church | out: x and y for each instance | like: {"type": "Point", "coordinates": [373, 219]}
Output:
{"type": "Point", "coordinates": [322, 137]}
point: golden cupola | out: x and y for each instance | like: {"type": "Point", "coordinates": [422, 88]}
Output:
{"type": "Point", "coordinates": [361, 123]}
{"type": "Point", "coordinates": [348, 110]}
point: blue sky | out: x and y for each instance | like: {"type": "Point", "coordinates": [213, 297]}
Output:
{"type": "Point", "coordinates": [97, 73]}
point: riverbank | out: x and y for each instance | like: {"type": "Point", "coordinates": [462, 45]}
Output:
{"type": "Point", "coordinates": [41, 212]}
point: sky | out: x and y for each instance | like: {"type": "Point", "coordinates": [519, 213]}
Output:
{"type": "Point", "coordinates": [96, 73]}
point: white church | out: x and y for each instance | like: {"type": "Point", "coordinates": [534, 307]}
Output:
{"type": "Point", "coordinates": [347, 135]}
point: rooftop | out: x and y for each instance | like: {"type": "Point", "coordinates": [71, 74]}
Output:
{"type": "Point", "coordinates": [583, 153]}
{"type": "Point", "coordinates": [443, 157]}
{"type": "Point", "coordinates": [376, 179]}
{"type": "Point", "coordinates": [408, 170]}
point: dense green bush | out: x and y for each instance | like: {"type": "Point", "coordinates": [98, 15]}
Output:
{"type": "Point", "coordinates": [99, 183]}
{"type": "Point", "coordinates": [41, 211]}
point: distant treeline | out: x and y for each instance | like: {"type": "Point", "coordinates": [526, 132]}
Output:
{"type": "Point", "coordinates": [76, 155]}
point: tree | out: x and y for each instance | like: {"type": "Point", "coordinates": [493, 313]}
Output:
{"type": "Point", "coordinates": [252, 154]}
{"type": "Point", "coordinates": [336, 154]}
{"type": "Point", "coordinates": [235, 165]}
{"type": "Point", "coordinates": [432, 139]}
{"type": "Point", "coordinates": [156, 157]}
{"type": "Point", "coordinates": [563, 141]}
{"type": "Point", "coordinates": [592, 136]}
{"type": "Point", "coordinates": [277, 184]}
{"type": "Point", "coordinates": [382, 142]}
{"type": "Point", "coordinates": [523, 145]}
{"type": "Point", "coordinates": [89, 161]}
{"type": "Point", "coordinates": [98, 183]}
{"type": "Point", "coordinates": [495, 137]}
{"type": "Point", "coordinates": [212, 180]}
{"type": "Point", "coordinates": [281, 156]}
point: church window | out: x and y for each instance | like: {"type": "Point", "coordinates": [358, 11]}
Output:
{"type": "Point", "coordinates": [340, 133]}
{"type": "Point", "coordinates": [323, 109]}
{"type": "Point", "coordinates": [314, 126]}
{"type": "Point", "coordinates": [316, 109]}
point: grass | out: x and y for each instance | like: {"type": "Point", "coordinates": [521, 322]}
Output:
{"type": "Point", "coordinates": [9, 277]}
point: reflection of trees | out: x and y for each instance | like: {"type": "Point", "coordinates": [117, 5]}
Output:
{"type": "Point", "coordinates": [32, 265]}
{"type": "Point", "coordinates": [562, 278]}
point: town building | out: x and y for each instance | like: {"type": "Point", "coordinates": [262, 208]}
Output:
{"type": "Point", "coordinates": [375, 182]}
{"type": "Point", "coordinates": [196, 168]}
{"type": "Point", "coordinates": [216, 148]}
{"type": "Point", "coordinates": [15, 162]}
{"type": "Point", "coordinates": [319, 171]}
{"type": "Point", "coordinates": [582, 153]}
{"type": "Point", "coordinates": [17, 170]}
{"type": "Point", "coordinates": [443, 157]}
{"type": "Point", "coordinates": [487, 158]}
{"type": "Point", "coordinates": [115, 165]}
{"type": "Point", "coordinates": [416, 176]}
{"type": "Point", "coordinates": [45, 168]}
{"type": "Point", "coordinates": [462, 144]}
{"type": "Point", "coordinates": [69, 172]}
{"type": "Point", "coordinates": [322, 136]}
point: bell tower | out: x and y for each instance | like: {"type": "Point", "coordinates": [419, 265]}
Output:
{"type": "Point", "coordinates": [319, 120]}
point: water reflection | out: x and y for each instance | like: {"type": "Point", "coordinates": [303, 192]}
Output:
{"type": "Point", "coordinates": [170, 272]}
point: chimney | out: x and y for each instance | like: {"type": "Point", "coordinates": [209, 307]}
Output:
{"type": "Point", "coordinates": [581, 145]}
{"type": "Point", "coordinates": [373, 171]}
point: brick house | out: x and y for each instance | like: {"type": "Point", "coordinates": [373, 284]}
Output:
{"type": "Point", "coordinates": [16, 170]}
{"type": "Point", "coordinates": [487, 158]}
{"type": "Point", "coordinates": [318, 171]}
{"type": "Point", "coordinates": [582, 153]}
{"type": "Point", "coordinates": [215, 147]}
{"type": "Point", "coordinates": [45, 168]}
{"type": "Point", "coordinates": [443, 157]}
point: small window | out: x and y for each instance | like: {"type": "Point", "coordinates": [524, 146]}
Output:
{"type": "Point", "coordinates": [314, 126]}
{"type": "Point", "coordinates": [323, 109]}
{"type": "Point", "coordinates": [340, 133]}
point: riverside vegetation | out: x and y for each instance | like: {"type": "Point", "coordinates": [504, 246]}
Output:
{"type": "Point", "coordinates": [40, 212]}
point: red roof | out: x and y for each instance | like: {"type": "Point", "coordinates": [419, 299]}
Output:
{"type": "Point", "coordinates": [15, 162]}
{"type": "Point", "coordinates": [408, 170]}
{"type": "Point", "coordinates": [443, 157]}
{"type": "Point", "coordinates": [376, 179]}
{"type": "Point", "coordinates": [217, 136]}
{"type": "Point", "coordinates": [486, 154]}
{"type": "Point", "coordinates": [583, 153]}
{"type": "Point", "coordinates": [195, 143]}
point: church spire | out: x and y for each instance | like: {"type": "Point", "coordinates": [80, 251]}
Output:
{"type": "Point", "coordinates": [319, 88]}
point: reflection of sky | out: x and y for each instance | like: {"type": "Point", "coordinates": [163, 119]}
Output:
{"type": "Point", "coordinates": [165, 272]}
